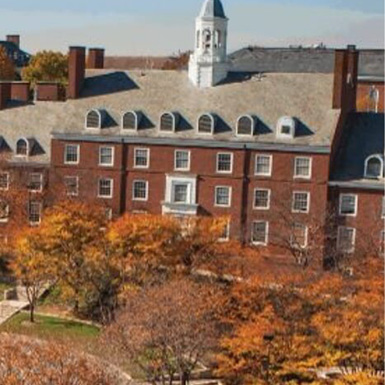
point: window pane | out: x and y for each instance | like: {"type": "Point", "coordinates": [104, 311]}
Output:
{"type": "Point", "coordinates": [300, 202]}
{"type": "Point", "coordinates": [180, 193]}
{"type": "Point", "coordinates": [348, 204]}
{"type": "Point", "coordinates": [71, 185]}
{"type": "Point", "coordinates": [299, 235]}
{"type": "Point", "coordinates": [262, 165]}
{"type": "Point", "coordinates": [34, 212]}
{"type": "Point", "coordinates": [167, 122]}
{"type": "Point", "coordinates": [105, 188]}
{"type": "Point", "coordinates": [182, 160]}
{"type": "Point", "coordinates": [22, 147]}
{"type": "Point", "coordinates": [245, 126]}
{"type": "Point", "coordinates": [106, 155]}
{"type": "Point", "coordinates": [35, 182]}
{"type": "Point", "coordinates": [4, 181]}
{"type": "Point", "coordinates": [93, 120]}
{"type": "Point", "coordinates": [261, 199]}
{"type": "Point", "coordinates": [205, 124]}
{"type": "Point", "coordinates": [373, 169]}
{"type": "Point", "coordinates": [224, 162]}
{"type": "Point", "coordinates": [129, 121]}
{"type": "Point", "coordinates": [140, 190]}
{"type": "Point", "coordinates": [141, 157]}
{"type": "Point", "coordinates": [302, 167]}
{"type": "Point", "coordinates": [222, 196]}
{"type": "Point", "coordinates": [71, 154]}
{"type": "Point", "coordinates": [346, 239]}
{"type": "Point", "coordinates": [259, 234]}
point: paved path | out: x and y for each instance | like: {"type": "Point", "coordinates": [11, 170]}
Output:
{"type": "Point", "coordinates": [9, 308]}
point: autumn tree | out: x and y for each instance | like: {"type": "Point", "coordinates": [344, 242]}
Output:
{"type": "Point", "coordinates": [47, 66]}
{"type": "Point", "coordinates": [7, 68]}
{"type": "Point", "coordinates": [166, 330]}
{"type": "Point", "coordinates": [178, 61]}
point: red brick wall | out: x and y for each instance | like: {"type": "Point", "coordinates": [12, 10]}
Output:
{"type": "Point", "coordinates": [363, 103]}
{"type": "Point", "coordinates": [20, 91]}
{"type": "Point", "coordinates": [48, 92]}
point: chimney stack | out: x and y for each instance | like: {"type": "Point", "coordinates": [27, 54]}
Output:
{"type": "Point", "coordinates": [95, 58]}
{"type": "Point", "coordinates": [345, 78]}
{"type": "Point", "coordinates": [76, 71]}
{"type": "Point", "coordinates": [15, 39]}
{"type": "Point", "coordinates": [5, 94]}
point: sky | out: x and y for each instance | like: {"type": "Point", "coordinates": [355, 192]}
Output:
{"type": "Point", "coordinates": [163, 27]}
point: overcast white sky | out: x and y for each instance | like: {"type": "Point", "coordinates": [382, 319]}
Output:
{"type": "Point", "coordinates": [135, 27]}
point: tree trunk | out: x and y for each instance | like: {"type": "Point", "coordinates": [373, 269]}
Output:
{"type": "Point", "coordinates": [184, 378]}
{"type": "Point", "coordinates": [32, 313]}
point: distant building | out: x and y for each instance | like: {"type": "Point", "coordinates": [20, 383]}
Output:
{"type": "Point", "coordinates": [12, 47]}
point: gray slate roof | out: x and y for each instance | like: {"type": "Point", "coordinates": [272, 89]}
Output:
{"type": "Point", "coordinates": [304, 96]}
{"type": "Point", "coordinates": [302, 60]}
{"type": "Point", "coordinates": [20, 57]}
{"type": "Point", "coordinates": [363, 137]}
{"type": "Point", "coordinates": [212, 8]}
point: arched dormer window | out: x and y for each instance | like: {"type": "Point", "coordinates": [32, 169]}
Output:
{"type": "Point", "coordinates": [374, 167]}
{"type": "Point", "coordinates": [94, 119]}
{"type": "Point", "coordinates": [206, 124]}
{"type": "Point", "coordinates": [130, 120]}
{"type": "Point", "coordinates": [245, 125]}
{"type": "Point", "coordinates": [286, 127]}
{"type": "Point", "coordinates": [168, 122]}
{"type": "Point", "coordinates": [22, 147]}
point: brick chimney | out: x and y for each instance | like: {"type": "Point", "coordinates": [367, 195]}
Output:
{"type": "Point", "coordinates": [95, 58]}
{"type": "Point", "coordinates": [15, 39]}
{"type": "Point", "coordinates": [5, 94]}
{"type": "Point", "coordinates": [345, 78]}
{"type": "Point", "coordinates": [76, 71]}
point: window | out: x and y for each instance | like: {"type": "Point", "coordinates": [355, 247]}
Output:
{"type": "Point", "coordinates": [180, 193]}
{"type": "Point", "coordinates": [22, 147]}
{"type": "Point", "coordinates": [298, 236]}
{"type": "Point", "coordinates": [35, 182]}
{"type": "Point", "coordinates": [260, 233]}
{"type": "Point", "coordinates": [106, 156]}
{"type": "Point", "coordinates": [383, 208]}
{"type": "Point", "coordinates": [245, 126]}
{"type": "Point", "coordinates": [130, 121]}
{"type": "Point", "coordinates": [71, 154]}
{"type": "Point", "coordinates": [382, 243]}
{"type": "Point", "coordinates": [105, 188]}
{"type": "Point", "coordinates": [94, 119]}
{"type": "Point", "coordinates": [373, 99]}
{"type": "Point", "coordinates": [71, 185]}
{"type": "Point", "coordinates": [223, 196]}
{"type": "Point", "coordinates": [261, 199]}
{"type": "Point", "coordinates": [346, 239]}
{"type": "Point", "coordinates": [224, 162]}
{"type": "Point", "coordinates": [4, 181]}
{"type": "Point", "coordinates": [140, 190]}
{"type": "Point", "coordinates": [301, 202]}
{"type": "Point", "coordinates": [34, 212]}
{"type": "Point", "coordinates": [167, 122]}
{"type": "Point", "coordinates": [225, 236]}
{"type": "Point", "coordinates": [286, 127]}
{"type": "Point", "coordinates": [4, 211]}
{"type": "Point", "coordinates": [302, 167]}
{"type": "Point", "coordinates": [141, 157]}
{"type": "Point", "coordinates": [108, 213]}
{"type": "Point", "coordinates": [206, 124]}
{"type": "Point", "coordinates": [263, 165]}
{"type": "Point", "coordinates": [374, 167]}
{"type": "Point", "coordinates": [182, 160]}
{"type": "Point", "coordinates": [348, 204]}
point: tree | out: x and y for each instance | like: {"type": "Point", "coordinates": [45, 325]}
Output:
{"type": "Point", "coordinates": [47, 66]}
{"type": "Point", "coordinates": [178, 61]}
{"type": "Point", "coordinates": [7, 68]}
{"type": "Point", "coordinates": [166, 330]}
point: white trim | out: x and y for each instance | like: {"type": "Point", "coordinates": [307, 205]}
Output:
{"type": "Point", "coordinates": [28, 149]}
{"type": "Point", "coordinates": [136, 121]}
{"type": "Point", "coordinates": [112, 188]}
{"type": "Point", "coordinates": [212, 124]}
{"type": "Point", "coordinates": [40, 213]}
{"type": "Point", "coordinates": [340, 228]}
{"type": "Point", "coordinates": [265, 243]}
{"type": "Point", "coordinates": [304, 246]}
{"type": "Point", "coordinates": [6, 218]}
{"type": "Point", "coordinates": [133, 190]}
{"type": "Point", "coordinates": [112, 156]}
{"type": "Point", "coordinates": [40, 189]}
{"type": "Point", "coordinates": [310, 159]}
{"type": "Point", "coordinates": [172, 114]}
{"type": "Point", "coordinates": [77, 185]}
{"type": "Point", "coordinates": [286, 121]}
{"type": "Point", "coordinates": [77, 152]}
{"type": "Point", "coordinates": [189, 160]}
{"type": "Point", "coordinates": [148, 157]}
{"type": "Point", "coordinates": [100, 119]}
{"type": "Point", "coordinates": [268, 199]}
{"type": "Point", "coordinates": [252, 120]}
{"type": "Point", "coordinates": [230, 189]}
{"type": "Point", "coordinates": [231, 163]}
{"type": "Point", "coordinates": [355, 205]}
{"type": "Point", "coordinates": [308, 202]}
{"type": "Point", "coordinates": [228, 230]}
{"type": "Point", "coordinates": [381, 170]}
{"type": "Point", "coordinates": [270, 164]}
{"type": "Point", "coordinates": [8, 180]}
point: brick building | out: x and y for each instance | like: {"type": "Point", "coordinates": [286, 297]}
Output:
{"type": "Point", "coordinates": [12, 47]}
{"type": "Point", "coordinates": [213, 141]}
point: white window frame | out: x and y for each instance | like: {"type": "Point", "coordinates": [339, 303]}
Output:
{"type": "Point", "coordinates": [231, 163]}
{"type": "Point", "coordinates": [112, 188]}
{"type": "Point", "coordinates": [270, 165]}
{"type": "Point", "coordinates": [133, 190]}
{"type": "Point", "coordinates": [306, 238]}
{"type": "Point", "coordinates": [40, 189]}
{"type": "Point", "coordinates": [6, 218]}
{"type": "Point", "coordinates": [342, 196]}
{"type": "Point", "coordinates": [77, 185]}
{"type": "Point", "coordinates": [227, 231]}
{"type": "Point", "coordinates": [100, 120]}
{"type": "Point", "coordinates": [229, 188]}
{"type": "Point", "coordinates": [26, 141]}
{"type": "Point", "coordinates": [308, 202]}
{"type": "Point", "coordinates": [148, 157]}
{"type": "Point", "coordinates": [174, 122]}
{"type": "Point", "coordinates": [286, 121]}
{"type": "Point", "coordinates": [378, 157]}
{"type": "Point", "coordinates": [308, 158]}
{"type": "Point", "coordinates": [252, 120]}
{"type": "Point", "coordinates": [136, 121]}
{"type": "Point", "coordinates": [188, 160]}
{"type": "Point", "coordinates": [340, 229]}
{"type": "Point", "coordinates": [6, 173]}
{"type": "Point", "coordinates": [77, 153]}
{"type": "Point", "coordinates": [257, 243]}
{"type": "Point", "coordinates": [212, 124]}
{"type": "Point", "coordinates": [112, 148]}
{"type": "Point", "coordinates": [40, 213]}
{"type": "Point", "coordinates": [268, 198]}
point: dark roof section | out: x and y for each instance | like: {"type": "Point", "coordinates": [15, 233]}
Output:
{"type": "Point", "coordinates": [363, 137]}
{"type": "Point", "coordinates": [302, 60]}
{"type": "Point", "coordinates": [18, 56]}
{"type": "Point", "coordinates": [213, 8]}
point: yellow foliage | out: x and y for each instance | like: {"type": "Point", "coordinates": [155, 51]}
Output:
{"type": "Point", "coordinates": [7, 68]}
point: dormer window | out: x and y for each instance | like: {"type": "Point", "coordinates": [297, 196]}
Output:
{"type": "Point", "coordinates": [22, 147]}
{"type": "Point", "coordinates": [286, 127]}
{"type": "Point", "coordinates": [374, 167]}
{"type": "Point", "coordinates": [245, 125]}
{"type": "Point", "coordinates": [206, 124]}
{"type": "Point", "coordinates": [130, 120]}
{"type": "Point", "coordinates": [94, 119]}
{"type": "Point", "coordinates": [168, 122]}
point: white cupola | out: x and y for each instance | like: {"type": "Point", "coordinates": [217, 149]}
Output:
{"type": "Point", "coordinates": [208, 64]}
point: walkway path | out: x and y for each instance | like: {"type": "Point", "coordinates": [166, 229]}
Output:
{"type": "Point", "coordinates": [9, 308]}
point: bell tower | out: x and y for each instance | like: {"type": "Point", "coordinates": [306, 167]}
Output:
{"type": "Point", "coordinates": [208, 64]}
